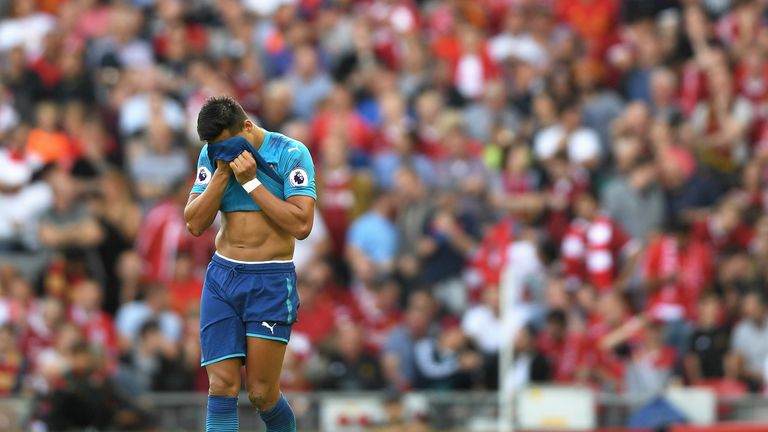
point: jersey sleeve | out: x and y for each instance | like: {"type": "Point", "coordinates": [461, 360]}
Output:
{"type": "Point", "coordinates": [204, 172]}
{"type": "Point", "coordinates": [299, 173]}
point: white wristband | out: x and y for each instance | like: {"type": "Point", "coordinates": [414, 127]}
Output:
{"type": "Point", "coordinates": [250, 185]}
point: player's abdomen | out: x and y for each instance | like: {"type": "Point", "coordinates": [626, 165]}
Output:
{"type": "Point", "coordinates": [252, 236]}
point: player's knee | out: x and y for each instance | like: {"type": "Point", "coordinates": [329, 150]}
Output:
{"type": "Point", "coordinates": [223, 385]}
{"type": "Point", "coordinates": [263, 395]}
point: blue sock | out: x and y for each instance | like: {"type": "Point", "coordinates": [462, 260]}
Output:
{"type": "Point", "coordinates": [280, 418]}
{"type": "Point", "coordinates": [222, 414]}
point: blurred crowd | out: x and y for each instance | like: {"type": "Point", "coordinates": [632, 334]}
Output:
{"type": "Point", "coordinates": [604, 161]}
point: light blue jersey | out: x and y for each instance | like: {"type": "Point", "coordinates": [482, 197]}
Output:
{"type": "Point", "coordinates": [287, 158]}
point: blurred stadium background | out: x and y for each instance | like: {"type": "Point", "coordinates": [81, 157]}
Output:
{"type": "Point", "coordinates": [539, 214]}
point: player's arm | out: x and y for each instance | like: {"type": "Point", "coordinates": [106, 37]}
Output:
{"type": "Point", "coordinates": [201, 208]}
{"type": "Point", "coordinates": [295, 215]}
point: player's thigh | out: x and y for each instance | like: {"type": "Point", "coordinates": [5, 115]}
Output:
{"type": "Point", "coordinates": [262, 369]}
{"type": "Point", "coordinates": [224, 377]}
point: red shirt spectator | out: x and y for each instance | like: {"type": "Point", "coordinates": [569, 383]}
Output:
{"type": "Point", "coordinates": [679, 269]}
{"type": "Point", "coordinates": [594, 20]}
{"type": "Point", "coordinates": [163, 233]}
{"type": "Point", "coordinates": [725, 229]}
{"type": "Point", "coordinates": [185, 287]}
{"type": "Point", "coordinates": [561, 347]}
{"type": "Point", "coordinates": [377, 311]}
{"type": "Point", "coordinates": [336, 115]}
{"type": "Point", "coordinates": [592, 250]}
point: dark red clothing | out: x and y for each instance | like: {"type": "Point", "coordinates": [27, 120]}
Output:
{"type": "Point", "coordinates": [185, 294]}
{"type": "Point", "coordinates": [163, 233]}
{"type": "Point", "coordinates": [336, 201]}
{"type": "Point", "coordinates": [318, 320]}
{"type": "Point", "coordinates": [707, 231]}
{"type": "Point", "coordinates": [592, 250]}
{"type": "Point", "coordinates": [97, 327]}
{"type": "Point", "coordinates": [596, 21]}
{"type": "Point", "coordinates": [690, 268]}
{"type": "Point", "coordinates": [563, 355]}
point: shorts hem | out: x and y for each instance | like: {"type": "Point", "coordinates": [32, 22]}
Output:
{"type": "Point", "coordinates": [274, 338]}
{"type": "Point", "coordinates": [218, 359]}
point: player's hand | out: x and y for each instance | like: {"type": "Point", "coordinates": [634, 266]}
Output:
{"type": "Point", "coordinates": [223, 168]}
{"type": "Point", "coordinates": [244, 167]}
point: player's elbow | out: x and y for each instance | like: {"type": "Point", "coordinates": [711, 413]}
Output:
{"type": "Point", "coordinates": [194, 230]}
{"type": "Point", "coordinates": [302, 231]}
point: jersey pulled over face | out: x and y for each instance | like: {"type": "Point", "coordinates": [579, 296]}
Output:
{"type": "Point", "coordinates": [285, 156]}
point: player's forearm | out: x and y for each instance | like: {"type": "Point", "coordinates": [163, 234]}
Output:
{"type": "Point", "coordinates": [201, 210]}
{"type": "Point", "coordinates": [287, 215]}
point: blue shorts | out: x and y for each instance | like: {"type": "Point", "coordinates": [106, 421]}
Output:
{"type": "Point", "coordinates": [245, 299]}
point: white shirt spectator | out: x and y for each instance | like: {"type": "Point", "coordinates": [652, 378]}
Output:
{"type": "Point", "coordinates": [750, 340]}
{"type": "Point", "coordinates": [522, 47]}
{"type": "Point", "coordinates": [9, 118]}
{"type": "Point", "coordinates": [483, 327]}
{"type": "Point", "coordinates": [133, 315]}
{"type": "Point", "coordinates": [581, 146]}
{"type": "Point", "coordinates": [27, 31]}
{"type": "Point", "coordinates": [135, 114]}
{"type": "Point", "coordinates": [21, 208]}
{"type": "Point", "coordinates": [469, 76]}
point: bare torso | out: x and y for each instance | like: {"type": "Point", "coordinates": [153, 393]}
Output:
{"type": "Point", "coordinates": [252, 236]}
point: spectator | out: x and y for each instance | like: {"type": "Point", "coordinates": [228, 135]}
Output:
{"type": "Point", "coordinates": [724, 228]}
{"type": "Point", "coordinates": [153, 364]}
{"type": "Point", "coordinates": [401, 155]}
{"type": "Point", "coordinates": [596, 250]}
{"type": "Point", "coordinates": [664, 104]}
{"type": "Point", "coordinates": [708, 344]}
{"type": "Point", "coordinates": [721, 122]}
{"type": "Point", "coordinates": [96, 326]}
{"type": "Point", "coordinates": [748, 343]}
{"type": "Point", "coordinates": [482, 325]}
{"type": "Point", "coordinates": [372, 239]}
{"type": "Point", "coordinates": [560, 347]}
{"type": "Point", "coordinates": [157, 165]}
{"type": "Point", "coordinates": [445, 362]}
{"type": "Point", "coordinates": [45, 142]}
{"type": "Point", "coordinates": [155, 306]}
{"type": "Point", "coordinates": [12, 363]}
{"type": "Point", "coordinates": [349, 366]}
{"type": "Point", "coordinates": [678, 269]}
{"type": "Point", "coordinates": [162, 234]}
{"type": "Point", "coordinates": [323, 309]}
{"type": "Point", "coordinates": [343, 190]}
{"type": "Point", "coordinates": [480, 118]}
{"type": "Point", "coordinates": [186, 287]}
{"type": "Point", "coordinates": [398, 354]}
{"type": "Point", "coordinates": [69, 228]}
{"type": "Point", "coordinates": [24, 204]}
{"type": "Point", "coordinates": [119, 217]}
{"type": "Point", "coordinates": [636, 200]}
{"type": "Point", "coordinates": [25, 26]}
{"type": "Point", "coordinates": [85, 399]}
{"type": "Point", "coordinates": [652, 363]}
{"type": "Point", "coordinates": [581, 144]}
{"type": "Point", "coordinates": [308, 83]}
{"type": "Point", "coordinates": [528, 366]}
{"type": "Point", "coordinates": [449, 235]}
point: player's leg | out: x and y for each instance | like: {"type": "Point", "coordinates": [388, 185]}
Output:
{"type": "Point", "coordinates": [223, 389]}
{"type": "Point", "coordinates": [222, 343]}
{"type": "Point", "coordinates": [263, 365]}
